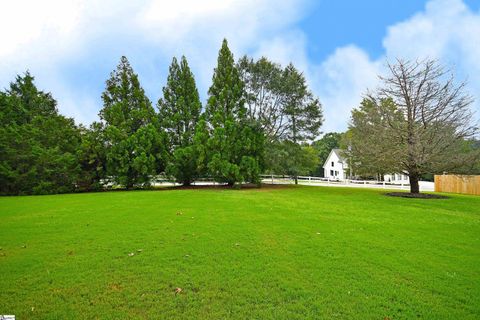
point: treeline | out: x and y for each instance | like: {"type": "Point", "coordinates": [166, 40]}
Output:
{"type": "Point", "coordinates": [258, 118]}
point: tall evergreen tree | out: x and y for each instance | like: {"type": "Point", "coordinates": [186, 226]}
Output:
{"type": "Point", "coordinates": [303, 112]}
{"type": "Point", "coordinates": [134, 145]}
{"type": "Point", "coordinates": [37, 145]}
{"type": "Point", "coordinates": [179, 112]}
{"type": "Point", "coordinates": [92, 158]}
{"type": "Point", "coordinates": [235, 142]}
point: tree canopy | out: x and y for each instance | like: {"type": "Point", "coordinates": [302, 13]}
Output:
{"type": "Point", "coordinates": [259, 117]}
{"type": "Point", "coordinates": [235, 143]}
{"type": "Point", "coordinates": [134, 146]}
{"type": "Point", "coordinates": [179, 113]}
{"type": "Point", "coordinates": [417, 122]}
{"type": "Point", "coordinates": [37, 145]}
{"type": "Point", "coordinates": [280, 101]}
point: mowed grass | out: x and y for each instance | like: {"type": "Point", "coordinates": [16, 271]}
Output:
{"type": "Point", "coordinates": [283, 253]}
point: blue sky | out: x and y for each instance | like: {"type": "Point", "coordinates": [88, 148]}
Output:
{"type": "Point", "coordinates": [331, 24]}
{"type": "Point", "coordinates": [71, 46]}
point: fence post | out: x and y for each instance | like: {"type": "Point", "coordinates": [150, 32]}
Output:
{"type": "Point", "coordinates": [272, 178]}
{"type": "Point", "coordinates": [383, 184]}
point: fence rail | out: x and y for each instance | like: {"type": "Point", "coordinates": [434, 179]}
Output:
{"type": "Point", "coordinates": [305, 180]}
{"type": "Point", "coordinates": [279, 179]}
{"type": "Point", "coordinates": [458, 184]}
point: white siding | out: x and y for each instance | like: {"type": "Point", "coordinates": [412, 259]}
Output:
{"type": "Point", "coordinates": [334, 168]}
{"type": "Point", "coordinates": [396, 178]}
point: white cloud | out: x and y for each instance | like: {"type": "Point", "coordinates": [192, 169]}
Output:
{"type": "Point", "coordinates": [49, 37]}
{"type": "Point", "coordinates": [212, 20]}
{"type": "Point", "coordinates": [24, 22]}
{"type": "Point", "coordinates": [289, 47]}
{"type": "Point", "coordinates": [196, 28]}
{"type": "Point", "coordinates": [446, 30]}
{"type": "Point", "coordinates": [52, 36]}
{"type": "Point", "coordinates": [341, 81]}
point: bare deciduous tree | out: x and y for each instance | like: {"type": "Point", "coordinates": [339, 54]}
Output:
{"type": "Point", "coordinates": [430, 122]}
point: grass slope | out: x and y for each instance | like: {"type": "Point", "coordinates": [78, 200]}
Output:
{"type": "Point", "coordinates": [285, 253]}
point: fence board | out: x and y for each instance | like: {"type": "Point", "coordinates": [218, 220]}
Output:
{"type": "Point", "coordinates": [458, 184]}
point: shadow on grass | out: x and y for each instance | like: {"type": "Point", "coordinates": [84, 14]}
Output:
{"type": "Point", "coordinates": [223, 187]}
{"type": "Point", "coordinates": [416, 195]}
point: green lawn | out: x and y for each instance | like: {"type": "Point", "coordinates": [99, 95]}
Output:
{"type": "Point", "coordinates": [285, 253]}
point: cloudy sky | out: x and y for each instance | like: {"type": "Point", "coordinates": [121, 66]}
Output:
{"type": "Point", "coordinates": [71, 46]}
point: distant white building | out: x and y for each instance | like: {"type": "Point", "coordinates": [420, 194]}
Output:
{"type": "Point", "coordinates": [336, 168]}
{"type": "Point", "coordinates": [396, 178]}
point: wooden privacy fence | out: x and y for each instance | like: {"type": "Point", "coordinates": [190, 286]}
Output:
{"type": "Point", "coordinates": [458, 184]}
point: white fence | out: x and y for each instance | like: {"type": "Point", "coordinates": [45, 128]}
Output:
{"type": "Point", "coordinates": [313, 181]}
{"type": "Point", "coordinates": [318, 181]}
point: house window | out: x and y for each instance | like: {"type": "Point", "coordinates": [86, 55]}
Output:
{"type": "Point", "coordinates": [336, 173]}
{"type": "Point", "coordinates": [333, 164]}
{"type": "Point", "coordinates": [331, 172]}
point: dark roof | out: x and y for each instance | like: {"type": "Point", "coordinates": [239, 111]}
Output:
{"type": "Point", "coordinates": [339, 153]}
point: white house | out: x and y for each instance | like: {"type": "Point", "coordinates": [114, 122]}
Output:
{"type": "Point", "coordinates": [396, 178]}
{"type": "Point", "coordinates": [336, 167]}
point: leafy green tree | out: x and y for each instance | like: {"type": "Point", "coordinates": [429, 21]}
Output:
{"type": "Point", "coordinates": [200, 145]}
{"type": "Point", "coordinates": [264, 95]}
{"type": "Point", "coordinates": [303, 112]}
{"type": "Point", "coordinates": [469, 150]}
{"type": "Point", "coordinates": [235, 143]}
{"type": "Point", "coordinates": [281, 161]}
{"type": "Point", "coordinates": [368, 151]}
{"type": "Point", "coordinates": [92, 158]}
{"type": "Point", "coordinates": [365, 144]}
{"type": "Point", "coordinates": [37, 145]}
{"type": "Point", "coordinates": [134, 144]}
{"type": "Point", "coordinates": [323, 147]}
{"type": "Point", "coordinates": [279, 99]}
{"type": "Point", "coordinates": [179, 112]}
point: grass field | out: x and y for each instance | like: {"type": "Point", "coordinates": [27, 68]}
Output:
{"type": "Point", "coordinates": [281, 253]}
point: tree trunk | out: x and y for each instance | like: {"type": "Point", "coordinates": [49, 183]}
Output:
{"type": "Point", "coordinates": [129, 185]}
{"type": "Point", "coordinates": [296, 179]}
{"type": "Point", "coordinates": [414, 186]}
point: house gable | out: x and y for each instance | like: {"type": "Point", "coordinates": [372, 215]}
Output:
{"type": "Point", "coordinates": [336, 156]}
